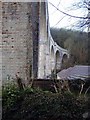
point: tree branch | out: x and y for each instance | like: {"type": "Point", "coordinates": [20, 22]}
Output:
{"type": "Point", "coordinates": [68, 14]}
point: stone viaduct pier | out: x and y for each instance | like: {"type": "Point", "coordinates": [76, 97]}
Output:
{"type": "Point", "coordinates": [27, 45]}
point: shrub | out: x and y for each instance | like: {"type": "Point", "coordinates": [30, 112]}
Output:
{"type": "Point", "coordinates": [35, 104]}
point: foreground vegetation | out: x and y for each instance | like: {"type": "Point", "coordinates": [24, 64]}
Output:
{"type": "Point", "coordinates": [36, 104]}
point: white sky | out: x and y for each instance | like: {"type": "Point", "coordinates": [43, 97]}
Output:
{"type": "Point", "coordinates": [55, 16]}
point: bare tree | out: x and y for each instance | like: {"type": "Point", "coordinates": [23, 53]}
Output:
{"type": "Point", "coordinates": [83, 21]}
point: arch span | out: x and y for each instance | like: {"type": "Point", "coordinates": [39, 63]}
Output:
{"type": "Point", "coordinates": [50, 53]}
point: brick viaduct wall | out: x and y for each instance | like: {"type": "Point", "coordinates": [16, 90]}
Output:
{"type": "Point", "coordinates": [19, 39]}
{"type": "Point", "coordinates": [0, 45]}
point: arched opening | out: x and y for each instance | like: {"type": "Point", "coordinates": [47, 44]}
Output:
{"type": "Point", "coordinates": [64, 61]}
{"type": "Point", "coordinates": [58, 63]}
{"type": "Point", "coordinates": [52, 59]}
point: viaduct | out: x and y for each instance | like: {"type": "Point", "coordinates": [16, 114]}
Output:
{"type": "Point", "coordinates": [27, 45]}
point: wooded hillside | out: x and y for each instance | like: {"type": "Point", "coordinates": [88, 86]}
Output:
{"type": "Point", "coordinates": [75, 41]}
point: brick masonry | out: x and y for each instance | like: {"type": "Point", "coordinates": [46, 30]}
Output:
{"type": "Point", "coordinates": [19, 35]}
{"type": "Point", "coordinates": [0, 45]}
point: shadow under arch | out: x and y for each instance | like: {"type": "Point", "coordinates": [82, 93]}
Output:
{"type": "Point", "coordinates": [64, 61]}
{"type": "Point", "coordinates": [58, 62]}
{"type": "Point", "coordinates": [52, 58]}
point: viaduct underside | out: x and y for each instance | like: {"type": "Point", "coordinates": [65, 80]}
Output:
{"type": "Point", "coordinates": [27, 45]}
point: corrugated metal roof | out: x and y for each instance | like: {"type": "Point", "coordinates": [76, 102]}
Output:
{"type": "Point", "coordinates": [76, 72]}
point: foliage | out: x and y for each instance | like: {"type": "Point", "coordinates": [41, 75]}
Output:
{"type": "Point", "coordinates": [10, 94]}
{"type": "Point", "coordinates": [35, 104]}
{"type": "Point", "coordinates": [76, 86]}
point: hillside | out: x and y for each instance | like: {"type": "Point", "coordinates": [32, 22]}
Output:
{"type": "Point", "coordinates": [75, 41]}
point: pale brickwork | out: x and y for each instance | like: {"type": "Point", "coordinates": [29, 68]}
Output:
{"type": "Point", "coordinates": [16, 40]}
{"type": "Point", "coordinates": [0, 45]}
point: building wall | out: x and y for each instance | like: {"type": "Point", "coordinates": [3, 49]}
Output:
{"type": "Point", "coordinates": [0, 45]}
{"type": "Point", "coordinates": [17, 40]}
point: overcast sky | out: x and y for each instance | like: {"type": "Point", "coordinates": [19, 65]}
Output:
{"type": "Point", "coordinates": [60, 20]}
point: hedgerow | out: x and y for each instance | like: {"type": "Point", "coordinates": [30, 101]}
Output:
{"type": "Point", "coordinates": [36, 104]}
